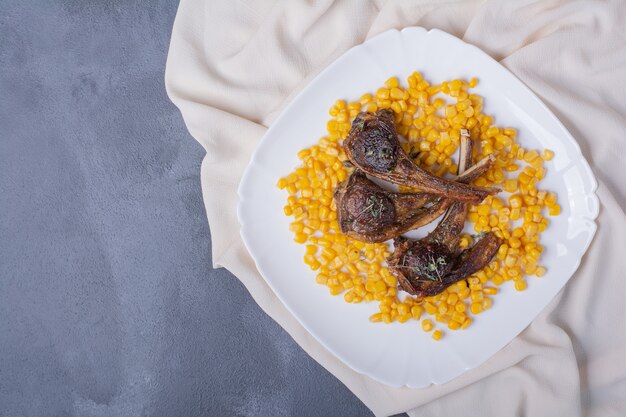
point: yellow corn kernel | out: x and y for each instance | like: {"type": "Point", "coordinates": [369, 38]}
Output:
{"type": "Point", "coordinates": [282, 183]}
{"type": "Point", "coordinates": [391, 82]}
{"type": "Point", "coordinates": [524, 178]}
{"type": "Point", "coordinates": [321, 278]}
{"type": "Point", "coordinates": [430, 308]}
{"type": "Point", "coordinates": [550, 199]}
{"type": "Point", "coordinates": [497, 279]}
{"type": "Point", "coordinates": [483, 209]}
{"type": "Point", "coordinates": [487, 121]}
{"type": "Point", "coordinates": [455, 85]}
{"type": "Point", "coordinates": [300, 237]}
{"type": "Point", "coordinates": [554, 210]}
{"type": "Point", "coordinates": [427, 325]}
{"type": "Point", "coordinates": [476, 295]}
{"type": "Point", "coordinates": [547, 155]}
{"type": "Point", "coordinates": [472, 217]}
{"type": "Point", "coordinates": [476, 308]}
{"type": "Point", "coordinates": [450, 112]}
{"type": "Point", "coordinates": [458, 316]}
{"type": "Point", "coordinates": [395, 106]}
{"type": "Point", "coordinates": [438, 103]}
{"type": "Point", "coordinates": [530, 228]}
{"type": "Point", "coordinates": [403, 318]}
{"type": "Point", "coordinates": [520, 285]}
{"type": "Point", "coordinates": [365, 98]}
{"type": "Point", "coordinates": [454, 325]}
{"type": "Point", "coordinates": [382, 93]}
{"type": "Point", "coordinates": [416, 312]}
{"type": "Point", "coordinates": [352, 269]}
{"type": "Point", "coordinates": [510, 260]}
{"type": "Point", "coordinates": [340, 104]}
{"type": "Point", "coordinates": [540, 271]}
{"type": "Point", "coordinates": [490, 290]}
{"type": "Point", "coordinates": [375, 318]}
{"type": "Point", "coordinates": [360, 290]}
{"type": "Point", "coordinates": [530, 171]}
{"type": "Point", "coordinates": [292, 189]}
{"type": "Point", "coordinates": [396, 93]}
{"type": "Point", "coordinates": [464, 293]}
{"type": "Point", "coordinates": [442, 308]}
{"type": "Point", "coordinates": [492, 132]}
{"type": "Point", "coordinates": [531, 156]}
{"type": "Point", "coordinates": [437, 335]}
{"type": "Point", "coordinates": [335, 289]}
{"type": "Point", "coordinates": [453, 298]}
{"type": "Point", "coordinates": [530, 269]}
{"type": "Point", "coordinates": [370, 286]}
{"type": "Point", "coordinates": [403, 308]}
{"type": "Point", "coordinates": [422, 85]}
{"type": "Point", "coordinates": [493, 220]}
{"type": "Point", "coordinates": [460, 307]}
{"type": "Point", "coordinates": [515, 201]}
{"type": "Point", "coordinates": [511, 168]}
{"type": "Point", "coordinates": [529, 200]}
{"type": "Point", "coordinates": [464, 243]}
{"type": "Point", "coordinates": [384, 308]}
{"type": "Point", "coordinates": [471, 122]}
{"type": "Point", "coordinates": [510, 186]}
{"type": "Point", "coordinates": [349, 296]}
{"type": "Point", "coordinates": [514, 272]}
{"type": "Point", "coordinates": [445, 87]}
{"type": "Point", "coordinates": [540, 174]}
{"type": "Point", "coordinates": [371, 107]}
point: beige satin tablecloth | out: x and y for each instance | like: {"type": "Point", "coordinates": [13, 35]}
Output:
{"type": "Point", "coordinates": [232, 67]}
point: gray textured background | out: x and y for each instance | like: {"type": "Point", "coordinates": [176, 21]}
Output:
{"type": "Point", "coordinates": [108, 303]}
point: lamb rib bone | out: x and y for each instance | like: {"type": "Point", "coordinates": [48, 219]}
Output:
{"type": "Point", "coordinates": [428, 266]}
{"type": "Point", "coordinates": [372, 145]}
{"type": "Point", "coordinates": [369, 213]}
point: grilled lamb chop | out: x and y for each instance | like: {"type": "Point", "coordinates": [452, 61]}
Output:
{"type": "Point", "coordinates": [425, 268]}
{"type": "Point", "coordinates": [372, 145]}
{"type": "Point", "coordinates": [428, 266]}
{"type": "Point", "coordinates": [369, 213]}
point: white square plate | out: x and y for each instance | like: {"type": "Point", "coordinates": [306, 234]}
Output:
{"type": "Point", "coordinates": [401, 354]}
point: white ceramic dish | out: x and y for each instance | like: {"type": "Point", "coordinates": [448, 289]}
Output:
{"type": "Point", "coordinates": [401, 354]}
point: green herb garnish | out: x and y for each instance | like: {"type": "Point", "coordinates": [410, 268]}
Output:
{"type": "Point", "coordinates": [374, 205]}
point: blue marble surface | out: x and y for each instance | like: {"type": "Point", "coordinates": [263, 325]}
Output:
{"type": "Point", "coordinates": [108, 302]}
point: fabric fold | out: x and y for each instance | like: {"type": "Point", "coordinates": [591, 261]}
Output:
{"type": "Point", "coordinates": [233, 66]}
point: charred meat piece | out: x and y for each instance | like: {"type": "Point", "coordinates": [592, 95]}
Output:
{"type": "Point", "coordinates": [369, 213]}
{"type": "Point", "coordinates": [372, 145]}
{"type": "Point", "coordinates": [428, 266]}
{"type": "Point", "coordinates": [425, 268]}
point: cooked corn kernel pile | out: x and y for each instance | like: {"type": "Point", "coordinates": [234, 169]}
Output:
{"type": "Point", "coordinates": [429, 117]}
